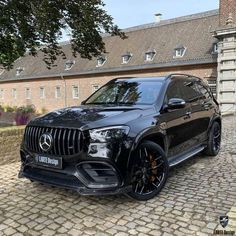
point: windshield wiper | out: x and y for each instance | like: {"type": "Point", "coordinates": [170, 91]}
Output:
{"type": "Point", "coordinates": [125, 103]}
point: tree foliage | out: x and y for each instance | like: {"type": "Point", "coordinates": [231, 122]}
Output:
{"type": "Point", "coordinates": [36, 25]}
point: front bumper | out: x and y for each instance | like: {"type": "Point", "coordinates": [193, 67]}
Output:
{"type": "Point", "coordinates": [88, 177]}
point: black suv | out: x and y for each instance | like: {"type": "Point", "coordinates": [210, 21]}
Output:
{"type": "Point", "coordinates": [124, 137]}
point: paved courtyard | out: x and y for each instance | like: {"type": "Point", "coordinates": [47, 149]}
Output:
{"type": "Point", "coordinates": [196, 194]}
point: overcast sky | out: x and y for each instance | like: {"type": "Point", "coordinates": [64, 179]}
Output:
{"type": "Point", "coordinates": [127, 13]}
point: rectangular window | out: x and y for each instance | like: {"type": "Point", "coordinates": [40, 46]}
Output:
{"type": "Point", "coordinates": [215, 48]}
{"type": "Point", "coordinates": [230, 62]}
{"type": "Point", "coordinates": [228, 72]}
{"type": "Point", "coordinates": [213, 86]}
{"type": "Point", "coordinates": [95, 87]}
{"type": "Point", "coordinates": [179, 52]}
{"type": "Point", "coordinates": [149, 57]}
{"type": "Point", "coordinates": [1, 93]}
{"type": "Point", "coordinates": [101, 61]}
{"type": "Point", "coordinates": [42, 92]}
{"type": "Point", "coordinates": [28, 93]}
{"type": "Point", "coordinates": [58, 92]}
{"type": "Point", "coordinates": [75, 91]}
{"type": "Point", "coordinates": [229, 39]}
{"type": "Point", "coordinates": [14, 93]}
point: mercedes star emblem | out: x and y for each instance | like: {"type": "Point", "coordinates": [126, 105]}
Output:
{"type": "Point", "coordinates": [45, 142]}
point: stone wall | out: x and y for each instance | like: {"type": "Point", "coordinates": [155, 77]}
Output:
{"type": "Point", "coordinates": [7, 117]}
{"type": "Point", "coordinates": [10, 140]}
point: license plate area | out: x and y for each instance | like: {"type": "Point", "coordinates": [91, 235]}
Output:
{"type": "Point", "coordinates": [52, 162]}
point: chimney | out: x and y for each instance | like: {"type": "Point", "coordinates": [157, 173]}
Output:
{"type": "Point", "coordinates": [158, 17]}
{"type": "Point", "coordinates": [227, 12]}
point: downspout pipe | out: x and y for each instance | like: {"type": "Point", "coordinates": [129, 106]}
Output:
{"type": "Point", "coordinates": [65, 90]}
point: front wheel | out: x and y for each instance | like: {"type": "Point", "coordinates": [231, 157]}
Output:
{"type": "Point", "coordinates": [214, 140]}
{"type": "Point", "coordinates": [149, 171]}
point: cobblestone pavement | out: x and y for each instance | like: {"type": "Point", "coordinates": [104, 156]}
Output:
{"type": "Point", "coordinates": [196, 194]}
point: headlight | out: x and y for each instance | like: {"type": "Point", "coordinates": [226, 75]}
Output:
{"type": "Point", "coordinates": [109, 133]}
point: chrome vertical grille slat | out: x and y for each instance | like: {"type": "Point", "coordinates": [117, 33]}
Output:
{"type": "Point", "coordinates": [79, 136]}
{"type": "Point", "coordinates": [63, 142]}
{"type": "Point", "coordinates": [31, 137]}
{"type": "Point", "coordinates": [36, 138]}
{"type": "Point", "coordinates": [66, 142]}
{"type": "Point", "coordinates": [55, 142]}
{"type": "Point", "coordinates": [58, 143]}
{"type": "Point", "coordinates": [73, 141]}
{"type": "Point", "coordinates": [39, 134]}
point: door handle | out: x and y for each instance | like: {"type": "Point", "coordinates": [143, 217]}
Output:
{"type": "Point", "coordinates": [187, 115]}
{"type": "Point", "coordinates": [206, 105]}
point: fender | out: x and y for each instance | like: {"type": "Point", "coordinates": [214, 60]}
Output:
{"type": "Point", "coordinates": [148, 134]}
{"type": "Point", "coordinates": [217, 118]}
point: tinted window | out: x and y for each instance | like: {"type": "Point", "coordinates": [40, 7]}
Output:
{"type": "Point", "coordinates": [174, 90]}
{"type": "Point", "coordinates": [184, 89]}
{"type": "Point", "coordinates": [125, 92]}
{"type": "Point", "coordinates": [205, 94]}
{"type": "Point", "coordinates": [190, 91]}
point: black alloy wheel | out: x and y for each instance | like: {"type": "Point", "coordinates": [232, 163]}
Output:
{"type": "Point", "coordinates": [149, 172]}
{"type": "Point", "coordinates": [214, 141]}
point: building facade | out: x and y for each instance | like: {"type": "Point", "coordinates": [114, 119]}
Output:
{"type": "Point", "coordinates": [201, 44]}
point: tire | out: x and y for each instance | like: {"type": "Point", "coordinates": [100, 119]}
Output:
{"type": "Point", "coordinates": [149, 171]}
{"type": "Point", "coordinates": [214, 140]}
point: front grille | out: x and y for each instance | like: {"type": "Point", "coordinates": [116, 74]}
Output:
{"type": "Point", "coordinates": [66, 142]}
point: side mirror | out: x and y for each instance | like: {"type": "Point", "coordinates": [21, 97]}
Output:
{"type": "Point", "coordinates": [176, 103]}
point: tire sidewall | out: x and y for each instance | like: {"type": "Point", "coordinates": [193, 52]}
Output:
{"type": "Point", "coordinates": [212, 150]}
{"type": "Point", "coordinates": [153, 146]}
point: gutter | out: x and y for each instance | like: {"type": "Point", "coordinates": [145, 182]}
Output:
{"type": "Point", "coordinates": [65, 89]}
{"type": "Point", "coordinates": [123, 69]}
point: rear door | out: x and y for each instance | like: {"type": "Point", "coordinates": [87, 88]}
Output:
{"type": "Point", "coordinates": [201, 108]}
{"type": "Point", "coordinates": [207, 108]}
{"type": "Point", "coordinates": [192, 96]}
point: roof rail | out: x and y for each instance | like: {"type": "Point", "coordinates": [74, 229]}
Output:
{"type": "Point", "coordinates": [179, 74]}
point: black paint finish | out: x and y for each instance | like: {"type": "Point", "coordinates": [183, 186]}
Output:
{"type": "Point", "coordinates": [104, 167]}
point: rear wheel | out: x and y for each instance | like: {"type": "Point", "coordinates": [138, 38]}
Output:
{"type": "Point", "coordinates": [214, 141]}
{"type": "Point", "coordinates": [149, 171]}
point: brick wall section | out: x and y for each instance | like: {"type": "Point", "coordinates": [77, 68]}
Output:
{"type": "Point", "coordinates": [10, 140]}
{"type": "Point", "coordinates": [7, 117]}
{"type": "Point", "coordinates": [226, 7]}
{"type": "Point", "coordinates": [85, 85]}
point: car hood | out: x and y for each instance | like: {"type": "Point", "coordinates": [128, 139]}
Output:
{"type": "Point", "coordinates": [88, 117]}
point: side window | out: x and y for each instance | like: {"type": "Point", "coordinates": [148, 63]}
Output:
{"type": "Point", "coordinates": [174, 90]}
{"type": "Point", "coordinates": [190, 91]}
{"type": "Point", "coordinates": [205, 94]}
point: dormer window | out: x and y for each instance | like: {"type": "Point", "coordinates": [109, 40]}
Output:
{"type": "Point", "coordinates": [126, 57]}
{"type": "Point", "coordinates": [69, 64]}
{"type": "Point", "coordinates": [150, 54]}
{"type": "Point", "coordinates": [101, 61]}
{"type": "Point", "coordinates": [215, 48]}
{"type": "Point", "coordinates": [180, 51]}
{"type": "Point", "coordinates": [1, 71]}
{"type": "Point", "coordinates": [19, 70]}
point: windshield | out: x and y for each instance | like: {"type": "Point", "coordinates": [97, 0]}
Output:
{"type": "Point", "coordinates": [124, 92]}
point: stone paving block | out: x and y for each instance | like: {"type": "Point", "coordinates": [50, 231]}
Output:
{"type": "Point", "coordinates": [197, 193]}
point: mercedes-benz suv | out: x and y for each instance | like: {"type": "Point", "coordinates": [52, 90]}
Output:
{"type": "Point", "coordinates": [124, 137]}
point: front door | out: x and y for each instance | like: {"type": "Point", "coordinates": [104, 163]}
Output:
{"type": "Point", "coordinates": [177, 122]}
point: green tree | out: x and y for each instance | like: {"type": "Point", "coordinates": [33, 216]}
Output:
{"type": "Point", "coordinates": [36, 25]}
